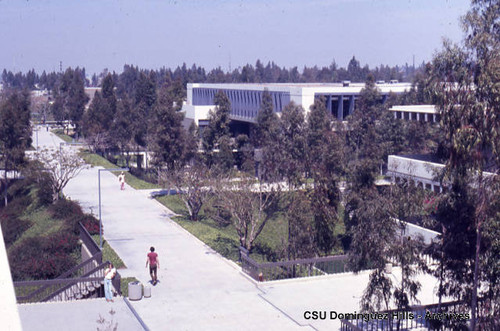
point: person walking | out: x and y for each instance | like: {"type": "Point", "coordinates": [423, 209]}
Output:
{"type": "Point", "coordinates": [109, 274]}
{"type": "Point", "coordinates": [121, 180]}
{"type": "Point", "coordinates": [154, 264]}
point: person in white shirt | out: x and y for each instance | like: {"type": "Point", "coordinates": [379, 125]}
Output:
{"type": "Point", "coordinates": [121, 180]}
{"type": "Point", "coordinates": [109, 274]}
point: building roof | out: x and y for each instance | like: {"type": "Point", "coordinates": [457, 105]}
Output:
{"type": "Point", "coordinates": [334, 88]}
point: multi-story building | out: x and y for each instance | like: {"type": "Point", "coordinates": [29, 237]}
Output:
{"type": "Point", "coordinates": [340, 98]}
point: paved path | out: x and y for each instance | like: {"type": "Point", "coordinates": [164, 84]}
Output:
{"type": "Point", "coordinates": [198, 289]}
{"type": "Point", "coordinates": [81, 315]}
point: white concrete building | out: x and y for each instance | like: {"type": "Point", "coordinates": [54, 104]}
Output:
{"type": "Point", "coordinates": [420, 170]}
{"type": "Point", "coordinates": [427, 113]}
{"type": "Point", "coordinates": [245, 99]}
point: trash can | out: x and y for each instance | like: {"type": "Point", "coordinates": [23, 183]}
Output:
{"type": "Point", "coordinates": [147, 291]}
{"type": "Point", "coordinates": [134, 291]}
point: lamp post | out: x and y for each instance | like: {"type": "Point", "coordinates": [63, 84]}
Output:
{"type": "Point", "coordinates": [99, 185]}
{"type": "Point", "coordinates": [36, 132]}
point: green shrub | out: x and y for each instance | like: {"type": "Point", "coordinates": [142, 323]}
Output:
{"type": "Point", "coordinates": [90, 223]}
{"type": "Point", "coordinates": [12, 227]}
{"type": "Point", "coordinates": [44, 193]}
{"type": "Point", "coordinates": [19, 199]}
{"type": "Point", "coordinates": [65, 209]}
{"type": "Point", "coordinates": [61, 242]}
{"type": "Point", "coordinates": [43, 257]}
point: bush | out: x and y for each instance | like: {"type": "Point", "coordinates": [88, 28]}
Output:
{"type": "Point", "coordinates": [19, 199]}
{"type": "Point", "coordinates": [45, 193]}
{"type": "Point", "coordinates": [43, 258]}
{"type": "Point", "coordinates": [61, 242]}
{"type": "Point", "coordinates": [12, 227]}
{"type": "Point", "coordinates": [65, 209]}
{"type": "Point", "coordinates": [18, 188]}
{"type": "Point", "coordinates": [90, 223]}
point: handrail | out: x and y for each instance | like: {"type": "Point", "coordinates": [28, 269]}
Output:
{"type": "Point", "coordinates": [100, 267]}
{"type": "Point", "coordinates": [96, 258]}
{"type": "Point", "coordinates": [88, 241]}
{"type": "Point", "coordinates": [49, 282]}
{"type": "Point", "coordinates": [292, 268]}
{"type": "Point", "coordinates": [304, 261]}
{"type": "Point", "coordinates": [412, 318]}
{"type": "Point", "coordinates": [52, 288]}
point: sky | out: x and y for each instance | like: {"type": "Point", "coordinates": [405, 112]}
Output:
{"type": "Point", "coordinates": [99, 34]}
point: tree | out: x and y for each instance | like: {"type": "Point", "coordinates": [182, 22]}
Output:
{"type": "Point", "coordinates": [219, 122]}
{"type": "Point", "coordinates": [193, 185]}
{"type": "Point", "coordinates": [318, 127]}
{"type": "Point", "coordinates": [70, 97]}
{"type": "Point", "coordinates": [145, 99]}
{"type": "Point", "coordinates": [169, 137]}
{"type": "Point", "coordinates": [217, 134]}
{"type": "Point", "coordinates": [325, 160]}
{"type": "Point", "coordinates": [301, 234]}
{"type": "Point", "coordinates": [96, 134]}
{"type": "Point", "coordinates": [293, 145]}
{"type": "Point", "coordinates": [362, 137]}
{"type": "Point", "coordinates": [465, 79]}
{"type": "Point", "coordinates": [266, 121]}
{"type": "Point", "coordinates": [120, 132]}
{"type": "Point", "coordinates": [406, 203]}
{"type": "Point", "coordinates": [15, 132]}
{"type": "Point", "coordinates": [267, 137]}
{"type": "Point", "coordinates": [61, 165]}
{"type": "Point", "coordinates": [250, 205]}
{"type": "Point", "coordinates": [99, 118]}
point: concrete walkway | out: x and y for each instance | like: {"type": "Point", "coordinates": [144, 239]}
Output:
{"type": "Point", "coordinates": [198, 289]}
{"type": "Point", "coordinates": [81, 315]}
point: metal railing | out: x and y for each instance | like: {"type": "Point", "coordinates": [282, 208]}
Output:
{"type": "Point", "coordinates": [445, 316]}
{"type": "Point", "coordinates": [315, 266]}
{"type": "Point", "coordinates": [416, 318]}
{"type": "Point", "coordinates": [87, 240]}
{"type": "Point", "coordinates": [294, 268]}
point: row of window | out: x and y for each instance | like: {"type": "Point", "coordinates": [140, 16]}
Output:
{"type": "Point", "coordinates": [244, 103]}
{"type": "Point", "coordinates": [411, 116]}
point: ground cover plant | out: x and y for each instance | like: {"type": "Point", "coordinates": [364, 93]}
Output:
{"type": "Point", "coordinates": [41, 236]}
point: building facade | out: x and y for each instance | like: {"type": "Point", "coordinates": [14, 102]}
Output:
{"type": "Point", "coordinates": [340, 98]}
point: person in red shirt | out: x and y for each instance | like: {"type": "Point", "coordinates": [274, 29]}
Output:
{"type": "Point", "coordinates": [154, 264]}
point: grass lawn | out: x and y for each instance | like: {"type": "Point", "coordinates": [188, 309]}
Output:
{"type": "Point", "coordinates": [60, 133]}
{"type": "Point", "coordinates": [109, 254]}
{"type": "Point", "coordinates": [99, 161]}
{"type": "Point", "coordinates": [42, 225]}
{"type": "Point", "coordinates": [124, 284]}
{"type": "Point", "coordinates": [224, 239]}
{"type": "Point", "coordinates": [269, 246]}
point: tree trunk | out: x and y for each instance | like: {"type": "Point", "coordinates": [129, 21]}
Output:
{"type": "Point", "coordinates": [476, 276]}
{"type": "Point", "coordinates": [6, 183]}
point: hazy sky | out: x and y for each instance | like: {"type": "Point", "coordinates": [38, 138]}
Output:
{"type": "Point", "coordinates": [98, 34]}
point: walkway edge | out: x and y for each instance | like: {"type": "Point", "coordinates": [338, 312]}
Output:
{"type": "Point", "coordinates": [284, 313]}
{"type": "Point", "coordinates": [139, 319]}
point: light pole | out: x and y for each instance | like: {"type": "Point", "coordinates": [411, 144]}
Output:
{"type": "Point", "coordinates": [36, 132]}
{"type": "Point", "coordinates": [99, 185]}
